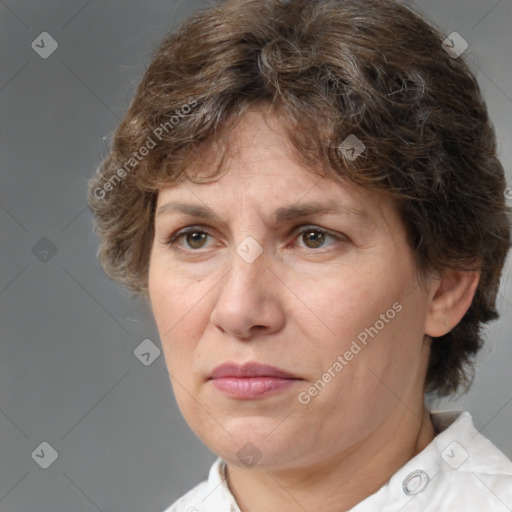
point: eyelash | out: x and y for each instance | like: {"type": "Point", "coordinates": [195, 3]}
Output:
{"type": "Point", "coordinates": [172, 239]}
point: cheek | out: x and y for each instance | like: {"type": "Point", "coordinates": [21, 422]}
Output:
{"type": "Point", "coordinates": [173, 297]}
{"type": "Point", "coordinates": [346, 305]}
{"type": "Point", "coordinates": [173, 311]}
{"type": "Point", "coordinates": [395, 357]}
{"type": "Point", "coordinates": [369, 318]}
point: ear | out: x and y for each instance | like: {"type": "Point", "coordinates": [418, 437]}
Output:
{"type": "Point", "coordinates": [449, 299]}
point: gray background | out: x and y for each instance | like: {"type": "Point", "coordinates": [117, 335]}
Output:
{"type": "Point", "coordinates": [69, 376]}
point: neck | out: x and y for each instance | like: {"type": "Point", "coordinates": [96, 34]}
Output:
{"type": "Point", "coordinates": [341, 482]}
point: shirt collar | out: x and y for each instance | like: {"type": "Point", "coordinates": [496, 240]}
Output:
{"type": "Point", "coordinates": [218, 495]}
{"type": "Point", "coordinates": [458, 446]}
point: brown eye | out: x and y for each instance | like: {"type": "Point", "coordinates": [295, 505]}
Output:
{"type": "Point", "coordinates": [195, 239]}
{"type": "Point", "coordinates": [313, 238]}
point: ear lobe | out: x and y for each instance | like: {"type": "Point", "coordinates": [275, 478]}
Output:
{"type": "Point", "coordinates": [450, 298]}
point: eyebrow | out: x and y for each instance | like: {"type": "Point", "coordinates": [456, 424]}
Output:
{"type": "Point", "coordinates": [281, 214]}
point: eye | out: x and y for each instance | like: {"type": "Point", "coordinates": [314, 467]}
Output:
{"type": "Point", "coordinates": [314, 237]}
{"type": "Point", "coordinates": [195, 237]}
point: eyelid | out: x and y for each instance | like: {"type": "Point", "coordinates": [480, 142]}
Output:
{"type": "Point", "coordinates": [313, 227]}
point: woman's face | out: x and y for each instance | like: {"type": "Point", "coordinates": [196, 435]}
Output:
{"type": "Point", "coordinates": [327, 294]}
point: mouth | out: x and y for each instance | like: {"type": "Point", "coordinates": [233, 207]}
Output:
{"type": "Point", "coordinates": [251, 380]}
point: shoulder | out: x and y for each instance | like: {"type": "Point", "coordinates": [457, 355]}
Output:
{"type": "Point", "coordinates": [471, 472]}
{"type": "Point", "coordinates": [465, 449]}
{"type": "Point", "coordinates": [459, 470]}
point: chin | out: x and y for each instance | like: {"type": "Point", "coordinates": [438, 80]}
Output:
{"type": "Point", "coordinates": [253, 443]}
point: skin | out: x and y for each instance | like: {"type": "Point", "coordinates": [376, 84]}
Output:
{"type": "Point", "coordinates": [298, 306]}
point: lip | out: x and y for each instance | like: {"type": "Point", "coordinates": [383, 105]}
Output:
{"type": "Point", "coordinates": [248, 370]}
{"type": "Point", "coordinates": [251, 380]}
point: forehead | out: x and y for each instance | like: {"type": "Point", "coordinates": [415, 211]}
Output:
{"type": "Point", "coordinates": [257, 163]}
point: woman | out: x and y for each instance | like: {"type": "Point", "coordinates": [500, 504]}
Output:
{"type": "Point", "coordinates": [317, 218]}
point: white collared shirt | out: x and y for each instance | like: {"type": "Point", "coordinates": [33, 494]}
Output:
{"type": "Point", "coordinates": [460, 470]}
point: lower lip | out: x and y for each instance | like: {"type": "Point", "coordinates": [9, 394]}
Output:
{"type": "Point", "coordinates": [251, 387]}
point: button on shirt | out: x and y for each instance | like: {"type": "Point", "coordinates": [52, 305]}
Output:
{"type": "Point", "coordinates": [460, 470]}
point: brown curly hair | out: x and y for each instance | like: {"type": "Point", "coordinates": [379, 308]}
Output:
{"type": "Point", "coordinates": [329, 68]}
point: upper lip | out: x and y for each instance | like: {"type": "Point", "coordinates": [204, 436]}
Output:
{"type": "Point", "coordinates": [251, 369]}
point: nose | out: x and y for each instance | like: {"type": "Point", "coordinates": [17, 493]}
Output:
{"type": "Point", "coordinates": [249, 303]}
